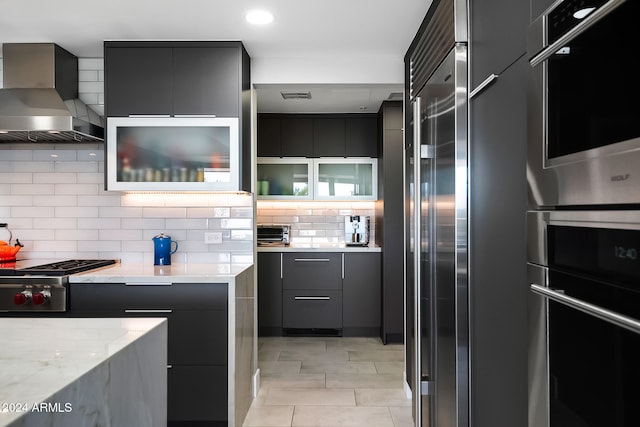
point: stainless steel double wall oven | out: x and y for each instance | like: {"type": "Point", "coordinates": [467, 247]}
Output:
{"type": "Point", "coordinates": [583, 236]}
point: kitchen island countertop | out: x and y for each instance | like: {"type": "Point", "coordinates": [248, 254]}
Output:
{"type": "Point", "coordinates": [61, 371]}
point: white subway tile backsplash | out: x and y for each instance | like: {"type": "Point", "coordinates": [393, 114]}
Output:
{"type": "Point", "coordinates": [16, 177]}
{"type": "Point", "coordinates": [99, 223]}
{"type": "Point", "coordinates": [76, 212]}
{"type": "Point", "coordinates": [58, 206]}
{"type": "Point", "coordinates": [78, 189]}
{"type": "Point", "coordinates": [39, 189]}
{"type": "Point", "coordinates": [87, 75]}
{"type": "Point", "coordinates": [54, 155]}
{"type": "Point", "coordinates": [90, 64]}
{"type": "Point", "coordinates": [55, 201]}
{"type": "Point", "coordinates": [54, 178]}
{"type": "Point", "coordinates": [90, 87]}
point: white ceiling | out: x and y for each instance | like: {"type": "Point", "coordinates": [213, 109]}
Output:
{"type": "Point", "coordinates": [348, 53]}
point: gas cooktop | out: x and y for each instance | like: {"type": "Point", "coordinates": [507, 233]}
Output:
{"type": "Point", "coordinates": [58, 268]}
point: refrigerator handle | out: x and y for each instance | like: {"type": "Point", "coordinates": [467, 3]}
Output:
{"type": "Point", "coordinates": [417, 291]}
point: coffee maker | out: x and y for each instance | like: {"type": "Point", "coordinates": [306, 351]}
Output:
{"type": "Point", "coordinates": [356, 230]}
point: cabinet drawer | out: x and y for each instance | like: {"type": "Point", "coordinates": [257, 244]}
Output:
{"type": "Point", "coordinates": [304, 270]}
{"type": "Point", "coordinates": [311, 309]}
{"type": "Point", "coordinates": [187, 296]}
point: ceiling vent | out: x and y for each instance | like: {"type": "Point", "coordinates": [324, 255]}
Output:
{"type": "Point", "coordinates": [396, 96]}
{"type": "Point", "coordinates": [296, 95]}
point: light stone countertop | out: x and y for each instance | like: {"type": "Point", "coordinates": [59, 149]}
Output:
{"type": "Point", "coordinates": [41, 356]}
{"type": "Point", "coordinates": [174, 273]}
{"type": "Point", "coordinates": [320, 247]}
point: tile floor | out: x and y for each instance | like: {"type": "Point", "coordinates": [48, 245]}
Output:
{"type": "Point", "coordinates": [330, 382]}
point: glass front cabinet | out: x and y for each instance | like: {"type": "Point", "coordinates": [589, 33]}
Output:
{"type": "Point", "coordinates": [172, 154]}
{"type": "Point", "coordinates": [317, 179]}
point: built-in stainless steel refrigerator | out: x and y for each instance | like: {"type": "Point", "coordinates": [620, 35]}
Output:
{"type": "Point", "coordinates": [436, 192]}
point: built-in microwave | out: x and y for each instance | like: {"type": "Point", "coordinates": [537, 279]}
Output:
{"type": "Point", "coordinates": [172, 154]}
{"type": "Point", "coordinates": [584, 132]}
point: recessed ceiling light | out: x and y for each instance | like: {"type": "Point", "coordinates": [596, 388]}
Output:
{"type": "Point", "coordinates": [259, 17]}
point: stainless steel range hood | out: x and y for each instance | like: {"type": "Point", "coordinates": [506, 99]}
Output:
{"type": "Point", "coordinates": [39, 102]}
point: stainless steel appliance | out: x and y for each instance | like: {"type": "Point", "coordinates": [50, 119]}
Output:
{"type": "Point", "coordinates": [356, 230]}
{"type": "Point", "coordinates": [27, 287]}
{"type": "Point", "coordinates": [173, 153]}
{"type": "Point", "coordinates": [39, 101]}
{"type": "Point", "coordinates": [273, 234]}
{"type": "Point", "coordinates": [584, 338]}
{"type": "Point", "coordinates": [436, 174]}
{"type": "Point", "coordinates": [584, 135]}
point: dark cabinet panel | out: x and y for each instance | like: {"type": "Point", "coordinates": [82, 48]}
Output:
{"type": "Point", "coordinates": [186, 296]}
{"type": "Point", "coordinates": [312, 309]}
{"type": "Point", "coordinates": [206, 80]}
{"type": "Point", "coordinates": [317, 135]}
{"type": "Point", "coordinates": [197, 338]}
{"type": "Point", "coordinates": [361, 137]}
{"type": "Point", "coordinates": [269, 293]}
{"type": "Point", "coordinates": [498, 31]}
{"type": "Point", "coordinates": [329, 137]}
{"type": "Point", "coordinates": [389, 222]}
{"type": "Point", "coordinates": [198, 394]}
{"type": "Point", "coordinates": [361, 294]}
{"type": "Point", "coordinates": [138, 80]}
{"type": "Point", "coordinates": [297, 137]}
{"type": "Point", "coordinates": [174, 78]}
{"type": "Point", "coordinates": [312, 270]}
{"type": "Point", "coordinates": [269, 136]}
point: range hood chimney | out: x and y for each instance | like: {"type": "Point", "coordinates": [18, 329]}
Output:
{"type": "Point", "coordinates": [39, 102]}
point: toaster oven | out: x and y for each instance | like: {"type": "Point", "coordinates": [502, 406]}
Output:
{"type": "Point", "coordinates": [273, 234]}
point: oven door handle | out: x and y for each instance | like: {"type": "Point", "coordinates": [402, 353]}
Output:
{"type": "Point", "coordinates": [623, 321]}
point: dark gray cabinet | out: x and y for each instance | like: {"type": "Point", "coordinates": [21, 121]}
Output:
{"type": "Point", "coordinates": [498, 122]}
{"type": "Point", "coordinates": [319, 293]}
{"type": "Point", "coordinates": [312, 270]}
{"type": "Point", "coordinates": [329, 137]}
{"type": "Point", "coordinates": [174, 78]}
{"type": "Point", "coordinates": [317, 135]}
{"type": "Point", "coordinates": [361, 294]}
{"type": "Point", "coordinates": [390, 219]}
{"type": "Point", "coordinates": [361, 136]}
{"type": "Point", "coordinates": [197, 338]}
{"type": "Point", "coordinates": [138, 80]}
{"type": "Point", "coordinates": [270, 293]}
{"type": "Point", "coordinates": [498, 34]}
{"type": "Point", "coordinates": [312, 292]}
{"type": "Point", "coordinates": [297, 137]}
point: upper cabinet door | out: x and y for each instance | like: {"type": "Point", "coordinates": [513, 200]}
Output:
{"type": "Point", "coordinates": [206, 81]}
{"type": "Point", "coordinates": [329, 137]}
{"type": "Point", "coordinates": [297, 137]}
{"type": "Point", "coordinates": [269, 135]}
{"type": "Point", "coordinates": [138, 81]}
{"type": "Point", "coordinates": [362, 137]}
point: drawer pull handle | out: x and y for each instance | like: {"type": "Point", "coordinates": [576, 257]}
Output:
{"type": "Point", "coordinates": [147, 311]}
{"type": "Point", "coordinates": [312, 260]}
{"type": "Point", "coordinates": [312, 298]}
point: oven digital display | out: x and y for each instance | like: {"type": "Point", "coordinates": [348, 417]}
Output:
{"type": "Point", "coordinates": [609, 254]}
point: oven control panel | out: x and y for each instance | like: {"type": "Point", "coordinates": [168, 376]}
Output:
{"type": "Point", "coordinates": [33, 297]}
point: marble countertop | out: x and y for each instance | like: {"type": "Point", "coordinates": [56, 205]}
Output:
{"type": "Point", "coordinates": [320, 247]}
{"type": "Point", "coordinates": [174, 273]}
{"type": "Point", "coordinates": [41, 356]}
